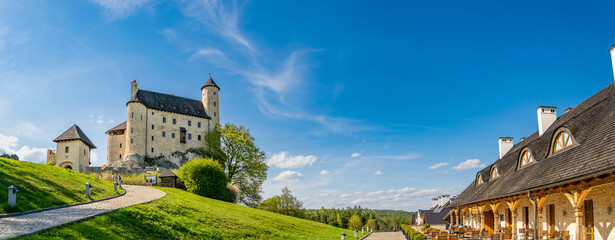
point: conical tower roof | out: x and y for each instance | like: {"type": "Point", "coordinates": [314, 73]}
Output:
{"type": "Point", "coordinates": [210, 83]}
{"type": "Point", "coordinates": [75, 133]}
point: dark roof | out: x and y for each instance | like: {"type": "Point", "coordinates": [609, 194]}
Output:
{"type": "Point", "coordinates": [592, 125]}
{"type": "Point", "coordinates": [121, 126]}
{"type": "Point", "coordinates": [210, 83]}
{"type": "Point", "coordinates": [434, 216]}
{"type": "Point", "coordinates": [168, 173]}
{"type": "Point", "coordinates": [75, 133]}
{"type": "Point", "coordinates": [170, 103]}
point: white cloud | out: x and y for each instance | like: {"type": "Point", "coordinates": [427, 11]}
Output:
{"type": "Point", "coordinates": [392, 191]}
{"type": "Point", "coordinates": [289, 176]}
{"type": "Point", "coordinates": [207, 52]}
{"type": "Point", "coordinates": [469, 164]}
{"type": "Point", "coordinates": [28, 129]}
{"type": "Point", "coordinates": [354, 155]}
{"type": "Point", "coordinates": [94, 156]}
{"type": "Point", "coordinates": [9, 144]}
{"type": "Point", "coordinates": [401, 157]}
{"type": "Point", "coordinates": [324, 194]}
{"type": "Point", "coordinates": [283, 160]}
{"type": "Point", "coordinates": [438, 165]}
{"type": "Point", "coordinates": [378, 172]}
{"type": "Point", "coordinates": [119, 8]}
{"type": "Point", "coordinates": [364, 200]}
{"type": "Point", "coordinates": [345, 195]}
{"type": "Point", "coordinates": [324, 172]}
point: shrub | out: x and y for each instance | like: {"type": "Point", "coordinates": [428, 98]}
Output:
{"type": "Point", "coordinates": [204, 177]}
{"type": "Point", "coordinates": [355, 222]}
{"type": "Point", "coordinates": [413, 234]}
{"type": "Point", "coordinates": [426, 226]}
{"type": "Point", "coordinates": [50, 163]}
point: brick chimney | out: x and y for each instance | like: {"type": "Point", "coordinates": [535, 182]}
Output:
{"type": "Point", "coordinates": [133, 88]}
{"type": "Point", "coordinates": [546, 117]}
{"type": "Point", "coordinates": [506, 143]}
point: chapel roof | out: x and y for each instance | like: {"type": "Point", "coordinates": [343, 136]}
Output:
{"type": "Point", "coordinates": [75, 133]}
{"type": "Point", "coordinates": [210, 83]}
{"type": "Point", "coordinates": [170, 103]}
{"type": "Point", "coordinates": [592, 125]}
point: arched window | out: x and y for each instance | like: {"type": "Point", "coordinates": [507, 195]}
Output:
{"type": "Point", "coordinates": [526, 158]}
{"type": "Point", "coordinates": [479, 179]}
{"type": "Point", "coordinates": [562, 140]}
{"type": "Point", "coordinates": [494, 173]}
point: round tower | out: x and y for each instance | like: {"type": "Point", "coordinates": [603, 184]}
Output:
{"type": "Point", "coordinates": [135, 124]}
{"type": "Point", "coordinates": [210, 101]}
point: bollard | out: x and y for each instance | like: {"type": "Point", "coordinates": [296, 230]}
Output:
{"type": "Point", "coordinates": [13, 196]}
{"type": "Point", "coordinates": [88, 193]}
{"type": "Point", "coordinates": [120, 183]}
{"type": "Point", "coordinates": [115, 186]}
{"type": "Point", "coordinates": [363, 230]}
{"type": "Point", "coordinates": [343, 236]}
{"type": "Point", "coordinates": [355, 234]}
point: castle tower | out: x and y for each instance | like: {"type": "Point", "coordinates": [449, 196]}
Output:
{"type": "Point", "coordinates": [135, 123]}
{"type": "Point", "coordinates": [73, 150]}
{"type": "Point", "coordinates": [210, 101]}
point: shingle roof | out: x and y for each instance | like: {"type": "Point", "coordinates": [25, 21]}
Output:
{"type": "Point", "coordinates": [75, 133]}
{"type": "Point", "coordinates": [121, 126]}
{"type": "Point", "coordinates": [210, 83]}
{"type": "Point", "coordinates": [170, 103]}
{"type": "Point", "coordinates": [435, 217]}
{"type": "Point", "coordinates": [168, 173]}
{"type": "Point", "coordinates": [591, 123]}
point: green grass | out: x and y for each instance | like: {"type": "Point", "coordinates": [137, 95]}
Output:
{"type": "Point", "coordinates": [42, 186]}
{"type": "Point", "coordinates": [182, 215]}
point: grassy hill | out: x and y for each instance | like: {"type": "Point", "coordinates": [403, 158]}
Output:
{"type": "Point", "coordinates": [42, 186]}
{"type": "Point", "coordinates": [182, 215]}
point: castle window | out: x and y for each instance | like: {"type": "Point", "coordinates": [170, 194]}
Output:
{"type": "Point", "coordinates": [189, 136]}
{"type": "Point", "coordinates": [189, 123]}
{"type": "Point", "coordinates": [120, 145]}
{"type": "Point", "coordinates": [152, 150]}
{"type": "Point", "coordinates": [152, 126]}
{"type": "Point", "coordinates": [164, 134]}
{"type": "Point", "coordinates": [198, 124]}
{"type": "Point", "coordinates": [132, 115]}
{"type": "Point", "coordinates": [182, 135]}
{"type": "Point", "coordinates": [214, 93]}
{"type": "Point", "coordinates": [526, 158]}
{"type": "Point", "coordinates": [152, 113]}
{"type": "Point", "coordinates": [131, 140]}
{"type": "Point", "coordinates": [199, 137]}
{"type": "Point", "coordinates": [120, 156]}
{"type": "Point", "coordinates": [132, 130]}
{"type": "Point", "coordinates": [83, 151]}
{"type": "Point", "coordinates": [562, 140]}
{"type": "Point", "coordinates": [141, 117]}
{"type": "Point", "coordinates": [66, 150]}
{"type": "Point", "coordinates": [214, 103]}
{"type": "Point", "coordinates": [164, 119]}
{"type": "Point", "coordinates": [174, 121]}
{"type": "Point", "coordinates": [214, 114]}
{"type": "Point", "coordinates": [152, 138]}
{"type": "Point", "coordinates": [494, 173]}
{"type": "Point", "coordinates": [172, 135]}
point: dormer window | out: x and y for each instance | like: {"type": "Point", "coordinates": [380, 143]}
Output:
{"type": "Point", "coordinates": [563, 139]}
{"type": "Point", "coordinates": [526, 158]}
{"type": "Point", "coordinates": [479, 179]}
{"type": "Point", "coordinates": [494, 173]}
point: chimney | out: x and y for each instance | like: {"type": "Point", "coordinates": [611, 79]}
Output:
{"type": "Point", "coordinates": [612, 50]}
{"type": "Point", "coordinates": [434, 202]}
{"type": "Point", "coordinates": [546, 117]}
{"type": "Point", "coordinates": [506, 143]}
{"type": "Point", "coordinates": [133, 88]}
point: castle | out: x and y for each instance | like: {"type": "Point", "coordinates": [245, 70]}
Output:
{"type": "Point", "coordinates": [73, 150]}
{"type": "Point", "coordinates": [158, 125]}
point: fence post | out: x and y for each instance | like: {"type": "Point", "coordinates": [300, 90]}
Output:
{"type": "Point", "coordinates": [88, 193]}
{"type": "Point", "coordinates": [355, 234]}
{"type": "Point", "coordinates": [13, 196]}
{"type": "Point", "coordinates": [343, 236]}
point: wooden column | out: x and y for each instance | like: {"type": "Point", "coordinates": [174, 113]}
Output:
{"type": "Point", "coordinates": [576, 198]}
{"type": "Point", "coordinates": [512, 205]}
{"type": "Point", "coordinates": [471, 218]}
{"type": "Point", "coordinates": [540, 202]}
{"type": "Point", "coordinates": [496, 217]}
{"type": "Point", "coordinates": [578, 217]}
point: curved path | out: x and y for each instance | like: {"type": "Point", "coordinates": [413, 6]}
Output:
{"type": "Point", "coordinates": [34, 222]}
{"type": "Point", "coordinates": [386, 236]}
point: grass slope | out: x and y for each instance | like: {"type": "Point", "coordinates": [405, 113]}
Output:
{"type": "Point", "coordinates": [182, 215]}
{"type": "Point", "coordinates": [42, 186]}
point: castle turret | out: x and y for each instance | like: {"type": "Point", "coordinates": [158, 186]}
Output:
{"type": "Point", "coordinates": [73, 150]}
{"type": "Point", "coordinates": [135, 124]}
{"type": "Point", "coordinates": [210, 101]}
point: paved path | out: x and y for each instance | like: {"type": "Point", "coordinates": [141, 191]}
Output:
{"type": "Point", "coordinates": [34, 222]}
{"type": "Point", "coordinates": [386, 236]}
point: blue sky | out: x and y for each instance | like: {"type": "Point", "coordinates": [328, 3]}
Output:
{"type": "Point", "coordinates": [379, 104]}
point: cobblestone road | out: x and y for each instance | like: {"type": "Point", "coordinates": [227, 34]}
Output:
{"type": "Point", "coordinates": [386, 236]}
{"type": "Point", "coordinates": [34, 222]}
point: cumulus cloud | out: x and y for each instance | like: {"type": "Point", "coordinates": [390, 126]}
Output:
{"type": "Point", "coordinates": [324, 194]}
{"type": "Point", "coordinates": [116, 9]}
{"type": "Point", "coordinates": [391, 191]}
{"type": "Point", "coordinates": [9, 144]}
{"type": "Point", "coordinates": [324, 172]}
{"type": "Point", "coordinates": [469, 164]}
{"type": "Point", "coordinates": [438, 165]}
{"type": "Point", "coordinates": [354, 155]}
{"type": "Point", "coordinates": [378, 172]}
{"type": "Point", "coordinates": [364, 200]}
{"type": "Point", "coordinates": [289, 176]}
{"type": "Point", "coordinates": [345, 195]}
{"type": "Point", "coordinates": [284, 160]}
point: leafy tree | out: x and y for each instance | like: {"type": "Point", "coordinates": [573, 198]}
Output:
{"type": "Point", "coordinates": [204, 177]}
{"type": "Point", "coordinates": [355, 222]}
{"type": "Point", "coordinates": [243, 162]}
{"type": "Point", "coordinates": [286, 204]}
{"type": "Point", "coordinates": [372, 224]}
{"type": "Point", "coordinates": [340, 222]}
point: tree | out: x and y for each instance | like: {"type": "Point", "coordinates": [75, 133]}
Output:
{"type": "Point", "coordinates": [204, 177]}
{"type": "Point", "coordinates": [372, 224]}
{"type": "Point", "coordinates": [355, 222]}
{"type": "Point", "coordinates": [243, 162]}
{"type": "Point", "coordinates": [286, 204]}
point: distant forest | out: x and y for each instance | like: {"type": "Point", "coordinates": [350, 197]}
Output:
{"type": "Point", "coordinates": [385, 219]}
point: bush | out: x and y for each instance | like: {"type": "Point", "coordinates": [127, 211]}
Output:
{"type": "Point", "coordinates": [204, 177]}
{"type": "Point", "coordinates": [413, 234]}
{"type": "Point", "coordinates": [355, 222]}
{"type": "Point", "coordinates": [50, 163]}
{"type": "Point", "coordinates": [426, 226]}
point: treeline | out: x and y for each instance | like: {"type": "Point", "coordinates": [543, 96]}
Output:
{"type": "Point", "coordinates": [340, 217]}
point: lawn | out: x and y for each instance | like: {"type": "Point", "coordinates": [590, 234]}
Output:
{"type": "Point", "coordinates": [42, 186]}
{"type": "Point", "coordinates": [182, 215]}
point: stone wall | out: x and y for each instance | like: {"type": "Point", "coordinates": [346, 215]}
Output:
{"type": "Point", "coordinates": [77, 157]}
{"type": "Point", "coordinates": [116, 148]}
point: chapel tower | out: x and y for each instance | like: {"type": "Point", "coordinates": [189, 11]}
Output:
{"type": "Point", "coordinates": [210, 101]}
